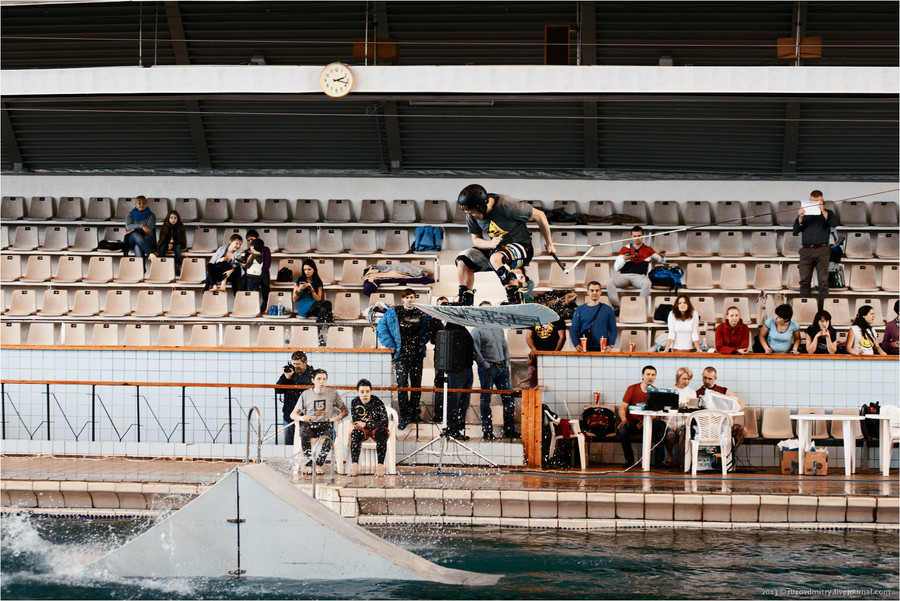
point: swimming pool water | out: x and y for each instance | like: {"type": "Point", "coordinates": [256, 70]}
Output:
{"type": "Point", "coordinates": [47, 558]}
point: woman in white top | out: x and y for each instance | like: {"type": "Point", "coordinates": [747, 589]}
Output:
{"type": "Point", "coordinates": [684, 327]}
{"type": "Point", "coordinates": [861, 339]}
{"type": "Point", "coordinates": [687, 397]}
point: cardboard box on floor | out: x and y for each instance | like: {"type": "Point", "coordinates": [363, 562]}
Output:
{"type": "Point", "coordinates": [816, 463]}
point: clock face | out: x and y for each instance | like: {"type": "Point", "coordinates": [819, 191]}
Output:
{"type": "Point", "coordinates": [336, 80]}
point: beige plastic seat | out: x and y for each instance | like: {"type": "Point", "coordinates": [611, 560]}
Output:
{"type": "Point", "coordinates": [396, 242]}
{"type": "Point", "coordinates": [638, 337]}
{"type": "Point", "coordinates": [364, 242]}
{"type": "Point", "coordinates": [69, 269]}
{"type": "Point", "coordinates": [790, 244]}
{"type": "Point", "coordinates": [339, 211]}
{"type": "Point", "coordinates": [298, 241]}
{"type": "Point", "coordinates": [751, 426]}
{"type": "Point", "coordinates": [228, 232]}
{"type": "Point", "coordinates": [54, 303]}
{"type": "Point", "coordinates": [170, 334]}
{"type": "Point", "coordinates": [734, 276]}
{"type": "Point", "coordinates": [705, 307]}
{"type": "Point", "coordinates": [763, 244]}
{"type": "Point", "coordinates": [13, 207]}
{"type": "Point", "coordinates": [279, 297]}
{"type": "Point", "coordinates": [633, 309]}
{"type": "Point", "coordinates": [10, 333]}
{"type": "Point", "coordinates": [99, 208]}
{"type": "Point", "coordinates": [188, 208]}
{"type": "Point", "coordinates": [10, 268]}
{"type": "Point", "coordinates": [760, 213]}
{"type": "Point", "coordinates": [105, 334]}
{"type": "Point", "coordinates": [37, 269]}
{"type": "Point", "coordinates": [118, 303]}
{"type": "Point", "coordinates": [560, 279]}
{"type": "Point", "coordinates": [42, 334]}
{"type": "Point", "coordinates": [159, 207]}
{"type": "Point", "coordinates": [86, 304]}
{"type": "Point", "coordinates": [368, 337]}
{"type": "Point", "coordinates": [246, 304]}
{"type": "Point", "coordinates": [216, 210]}
{"type": "Point", "coordinates": [339, 337]}
{"type": "Point", "coordinates": [743, 305]}
{"type": "Point", "coordinates": [330, 241]}
{"type": "Point", "coordinates": [515, 341]}
{"type": "Point", "coordinates": [4, 237]}
{"type": "Point", "coordinates": [236, 336]}
{"type": "Point", "coordinates": [698, 212]}
{"type": "Point", "coordinates": [661, 300]}
{"type": "Point", "coordinates": [665, 212]}
{"type": "Point", "coordinates": [854, 214]}
{"type": "Point", "coordinates": [787, 212]}
{"type": "Point", "coordinates": [182, 303]}
{"type": "Point", "coordinates": [804, 310]}
{"type": "Point", "coordinates": [55, 238]}
{"type": "Point", "coordinates": [85, 239]}
{"type": "Point", "coordinates": [839, 308]}
{"type": "Point", "coordinates": [149, 304]}
{"type": "Point", "coordinates": [352, 272]}
{"type": "Point", "coordinates": [26, 238]}
{"type": "Point", "coordinates": [388, 298]}
{"type": "Point", "coordinates": [837, 426]}
{"type": "Point", "coordinates": [214, 304]}
{"type": "Point", "coordinates": [731, 244]}
{"type": "Point", "coordinates": [270, 337]}
{"type": "Point", "coordinates": [308, 210]}
{"type": "Point", "coordinates": [304, 336]}
{"type": "Point", "coordinates": [193, 270]}
{"type": "Point", "coordinates": [729, 213]}
{"type": "Point", "coordinates": [776, 423]}
{"type": "Point", "coordinates": [75, 334]}
{"type": "Point", "coordinates": [862, 277]}
{"type": "Point", "coordinates": [698, 276]}
{"type": "Point", "coordinates": [569, 206]}
{"type": "Point", "coordinates": [602, 241]}
{"type": "Point", "coordinates": [596, 271]}
{"type": "Point", "coordinates": [601, 208]}
{"type": "Point", "coordinates": [404, 211]}
{"type": "Point", "coordinates": [887, 246]}
{"type": "Point", "coordinates": [885, 214]}
{"type": "Point", "coordinates": [637, 209]}
{"type": "Point", "coordinates": [667, 242]}
{"type": "Point", "coordinates": [346, 305]}
{"type": "Point", "coordinates": [793, 277]}
{"type": "Point", "coordinates": [566, 238]}
{"type": "Point", "coordinates": [206, 240]}
{"type": "Point", "coordinates": [275, 210]}
{"type": "Point", "coordinates": [269, 236]}
{"type": "Point", "coordinates": [890, 278]}
{"type": "Point", "coordinates": [537, 204]}
{"type": "Point", "coordinates": [435, 212]}
{"type": "Point", "coordinates": [859, 245]}
{"type": "Point", "coordinates": [325, 267]}
{"type": "Point", "coordinates": [162, 271]}
{"type": "Point", "coordinates": [372, 210]}
{"type": "Point", "coordinates": [204, 335]}
{"type": "Point", "coordinates": [123, 206]}
{"type": "Point", "coordinates": [295, 265]}
{"type": "Point", "coordinates": [246, 210]}
{"type": "Point", "coordinates": [114, 233]}
{"type": "Point", "coordinates": [698, 244]}
{"type": "Point", "coordinates": [131, 270]}
{"type": "Point", "coordinates": [137, 334]}
{"type": "Point", "coordinates": [71, 208]}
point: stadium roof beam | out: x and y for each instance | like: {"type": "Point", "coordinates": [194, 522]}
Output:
{"type": "Point", "coordinates": [9, 138]}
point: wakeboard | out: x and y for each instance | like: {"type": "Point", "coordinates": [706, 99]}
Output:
{"type": "Point", "coordinates": [502, 317]}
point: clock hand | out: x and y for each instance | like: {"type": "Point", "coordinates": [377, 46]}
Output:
{"type": "Point", "coordinates": [342, 80]}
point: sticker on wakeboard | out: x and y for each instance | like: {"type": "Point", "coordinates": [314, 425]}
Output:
{"type": "Point", "coordinates": [501, 317]}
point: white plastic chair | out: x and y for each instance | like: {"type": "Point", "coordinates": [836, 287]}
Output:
{"type": "Point", "coordinates": [574, 432]}
{"type": "Point", "coordinates": [886, 446]}
{"type": "Point", "coordinates": [337, 450]}
{"type": "Point", "coordinates": [713, 430]}
{"type": "Point", "coordinates": [368, 455]}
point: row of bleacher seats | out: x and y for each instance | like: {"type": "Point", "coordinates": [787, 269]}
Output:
{"type": "Point", "coordinates": [280, 210]}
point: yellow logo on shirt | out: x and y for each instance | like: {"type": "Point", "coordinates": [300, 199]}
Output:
{"type": "Point", "coordinates": [544, 332]}
{"type": "Point", "coordinates": [495, 231]}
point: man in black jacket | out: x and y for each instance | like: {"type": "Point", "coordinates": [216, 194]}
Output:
{"type": "Point", "coordinates": [814, 223]}
{"type": "Point", "coordinates": [298, 373]}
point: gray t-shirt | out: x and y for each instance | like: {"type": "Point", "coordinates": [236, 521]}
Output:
{"type": "Point", "coordinates": [507, 219]}
{"type": "Point", "coordinates": [321, 406]}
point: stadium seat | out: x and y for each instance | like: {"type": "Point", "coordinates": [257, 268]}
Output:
{"type": "Point", "coordinates": [368, 337]}
{"type": "Point", "coordinates": [566, 238]}
{"type": "Point", "coordinates": [698, 212]}
{"type": "Point", "coordinates": [763, 244]}
{"type": "Point", "coordinates": [372, 210]}
{"type": "Point", "coordinates": [602, 242]}
{"type": "Point", "coordinates": [246, 304]}
{"type": "Point", "coordinates": [270, 337]}
{"type": "Point", "coordinates": [236, 336]}
{"type": "Point", "coordinates": [99, 208]}
{"type": "Point", "coordinates": [149, 304]}
{"type": "Point", "coordinates": [74, 334]}
{"type": "Point", "coordinates": [887, 246]}
{"type": "Point", "coordinates": [837, 426]}
{"type": "Point", "coordinates": [204, 335]}
{"type": "Point", "coordinates": [661, 300]}
{"type": "Point", "coordinates": [667, 242]}
{"type": "Point", "coordinates": [743, 305]}
{"type": "Point", "coordinates": [170, 335]}
{"type": "Point", "coordinates": [884, 214]}
{"type": "Point", "coordinates": [214, 304]}
{"type": "Point", "coordinates": [162, 271]}
{"type": "Point", "coordinates": [10, 333]}
{"type": "Point", "coordinates": [10, 268]}
{"type": "Point", "coordinates": [4, 237]}
{"type": "Point", "coordinates": [875, 303]}
{"type": "Point", "coordinates": [435, 212]}
{"type": "Point", "coordinates": [346, 305]}
{"type": "Point", "coordinates": [601, 208]}
{"type": "Point", "coordinates": [665, 212]}
{"type": "Point", "coordinates": [54, 303]}
{"type": "Point", "coordinates": [404, 211]}
{"type": "Point", "coordinates": [596, 271]}
{"type": "Point", "coordinates": [633, 309]}
{"type": "Point", "coordinates": [759, 213]}
{"type": "Point", "coordinates": [55, 238]}
{"type": "Point", "coordinates": [295, 265]}
{"type": "Point", "coordinates": [269, 236]}
{"type": "Point", "coordinates": [86, 304]}
{"type": "Point", "coordinates": [537, 204]}
{"type": "Point", "coordinates": [364, 242]}
{"type": "Point", "coordinates": [37, 269]}
{"type": "Point", "coordinates": [698, 244]}
{"type": "Point", "coordinates": [188, 209]}
{"type": "Point", "coordinates": [41, 208]}
{"type": "Point", "coordinates": [100, 270]}
{"type": "Point", "coordinates": [560, 279]}
{"type": "Point", "coordinates": [308, 210]}
{"type": "Point", "coordinates": [793, 277]}
{"type": "Point", "coordinates": [731, 244]}
{"type": "Point", "coordinates": [790, 244]}
{"type": "Point", "coordinates": [637, 209]}
{"type": "Point", "coordinates": [246, 210]}
{"type": "Point", "coordinates": [839, 308]}
{"type": "Point", "coordinates": [304, 336]}
{"type": "Point", "coordinates": [729, 213]}
{"type": "Point", "coordinates": [787, 212]}
{"type": "Point", "coordinates": [854, 214]}
{"type": "Point", "coordinates": [280, 297]}
{"type": "Point", "coordinates": [859, 245]}
{"type": "Point", "coordinates": [698, 276]}
{"type": "Point", "coordinates": [339, 211]}
{"type": "Point", "coordinates": [352, 272]}
{"type": "Point", "coordinates": [113, 234]}
{"type": "Point", "coordinates": [131, 270]}
{"type": "Point", "coordinates": [123, 206]}
{"type": "Point", "coordinates": [339, 337]}
{"type": "Point", "coordinates": [396, 242]}
{"type": "Point", "coordinates": [118, 303]}
{"type": "Point", "coordinates": [331, 241]}
{"type": "Point", "coordinates": [516, 343]}
{"type": "Point", "coordinates": [275, 210]}
{"type": "Point", "coordinates": [193, 270]}
{"type": "Point", "coordinates": [890, 278]}
{"type": "Point", "coordinates": [85, 239]}
{"type": "Point", "coordinates": [228, 232]}
{"type": "Point", "coordinates": [767, 276]}
{"type": "Point", "coordinates": [136, 334]}
{"type": "Point", "coordinates": [105, 334]}
{"type": "Point", "coordinates": [160, 208]}
{"type": "Point", "coordinates": [819, 429]}
{"type": "Point", "coordinates": [569, 206]}
{"type": "Point", "coordinates": [26, 238]}
{"type": "Point", "coordinates": [804, 310]}
{"type": "Point", "coordinates": [298, 241]}
{"type": "Point", "coordinates": [71, 208]}
{"type": "Point", "coordinates": [705, 307]}
{"type": "Point", "coordinates": [13, 207]}
{"type": "Point", "coordinates": [42, 334]}
{"type": "Point", "coordinates": [862, 277]}
{"type": "Point", "coordinates": [733, 277]}
{"type": "Point", "coordinates": [69, 269]}
{"type": "Point", "coordinates": [325, 267]}
{"type": "Point", "coordinates": [216, 210]}
{"type": "Point", "coordinates": [638, 337]}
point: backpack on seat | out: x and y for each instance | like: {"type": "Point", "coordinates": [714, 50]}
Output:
{"type": "Point", "coordinates": [599, 421]}
{"type": "Point", "coordinates": [667, 275]}
{"type": "Point", "coordinates": [427, 238]}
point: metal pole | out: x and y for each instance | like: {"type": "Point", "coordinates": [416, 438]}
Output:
{"type": "Point", "coordinates": [275, 390]}
{"type": "Point", "coordinates": [183, 417]}
{"type": "Point", "coordinates": [3, 411]}
{"type": "Point", "coordinates": [93, 413]}
{"type": "Point", "coordinates": [137, 406]}
{"type": "Point", "coordinates": [258, 435]}
{"type": "Point", "coordinates": [48, 412]}
{"type": "Point", "coordinates": [230, 438]}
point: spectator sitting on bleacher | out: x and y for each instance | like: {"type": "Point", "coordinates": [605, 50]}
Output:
{"type": "Point", "coordinates": [140, 222]}
{"type": "Point", "coordinates": [309, 294]}
{"type": "Point", "coordinates": [779, 334]}
{"type": "Point", "coordinates": [684, 327]}
{"type": "Point", "coordinates": [890, 343]}
{"type": "Point", "coordinates": [631, 267]}
{"type": "Point", "coordinates": [223, 265]}
{"type": "Point", "coordinates": [733, 335]}
{"type": "Point", "coordinates": [821, 338]}
{"type": "Point", "coordinates": [861, 339]}
{"type": "Point", "coordinates": [172, 236]}
{"type": "Point", "coordinates": [266, 265]}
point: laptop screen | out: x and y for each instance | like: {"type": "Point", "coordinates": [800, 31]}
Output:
{"type": "Point", "coordinates": [658, 400]}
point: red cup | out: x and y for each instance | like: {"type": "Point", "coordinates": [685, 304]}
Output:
{"type": "Point", "coordinates": [584, 343]}
{"type": "Point", "coordinates": [596, 398]}
{"type": "Point", "coordinates": [631, 347]}
{"type": "Point", "coordinates": [603, 344]}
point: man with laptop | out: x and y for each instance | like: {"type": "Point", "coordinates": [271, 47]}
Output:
{"type": "Point", "coordinates": [632, 425]}
{"type": "Point", "coordinates": [715, 401]}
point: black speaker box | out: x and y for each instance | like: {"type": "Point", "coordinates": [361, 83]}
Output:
{"type": "Point", "coordinates": [449, 350]}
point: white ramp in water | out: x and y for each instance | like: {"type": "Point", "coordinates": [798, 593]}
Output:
{"type": "Point", "coordinates": [256, 524]}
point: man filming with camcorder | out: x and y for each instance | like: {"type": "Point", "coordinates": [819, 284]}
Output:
{"type": "Point", "coordinates": [298, 373]}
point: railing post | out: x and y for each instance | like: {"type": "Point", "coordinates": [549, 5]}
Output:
{"type": "Point", "coordinates": [137, 403]}
{"type": "Point", "coordinates": [230, 438]}
{"type": "Point", "coordinates": [531, 427]}
{"type": "Point", "coordinates": [3, 411]}
{"type": "Point", "coordinates": [275, 390]}
{"type": "Point", "coordinates": [183, 414]}
{"type": "Point", "coordinates": [93, 413]}
{"type": "Point", "coordinates": [48, 412]}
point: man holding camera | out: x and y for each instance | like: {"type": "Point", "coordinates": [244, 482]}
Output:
{"type": "Point", "coordinates": [297, 373]}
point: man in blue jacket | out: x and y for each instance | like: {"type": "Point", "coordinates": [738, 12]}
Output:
{"type": "Point", "coordinates": [404, 329]}
{"type": "Point", "coordinates": [594, 320]}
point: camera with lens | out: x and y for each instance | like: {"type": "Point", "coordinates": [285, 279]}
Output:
{"type": "Point", "coordinates": [288, 368]}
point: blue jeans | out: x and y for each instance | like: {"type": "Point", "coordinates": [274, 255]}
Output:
{"type": "Point", "coordinates": [496, 375]}
{"type": "Point", "coordinates": [142, 244]}
{"type": "Point", "coordinates": [458, 402]}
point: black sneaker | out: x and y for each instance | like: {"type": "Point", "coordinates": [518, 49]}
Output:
{"type": "Point", "coordinates": [512, 295]}
{"type": "Point", "coordinates": [466, 297]}
{"type": "Point", "coordinates": [511, 434]}
{"type": "Point", "coordinates": [489, 436]}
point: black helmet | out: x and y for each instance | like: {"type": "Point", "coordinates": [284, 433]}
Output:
{"type": "Point", "coordinates": [473, 197]}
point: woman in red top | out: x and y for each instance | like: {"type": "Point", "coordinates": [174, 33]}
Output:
{"type": "Point", "coordinates": [733, 336]}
